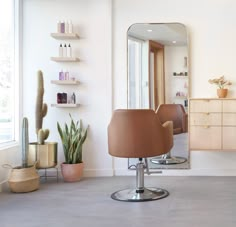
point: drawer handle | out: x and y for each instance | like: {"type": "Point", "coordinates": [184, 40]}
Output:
{"type": "Point", "coordinates": [206, 126]}
{"type": "Point", "coordinates": [207, 113]}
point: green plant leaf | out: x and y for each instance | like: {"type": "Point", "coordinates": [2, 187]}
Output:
{"type": "Point", "coordinates": [73, 137]}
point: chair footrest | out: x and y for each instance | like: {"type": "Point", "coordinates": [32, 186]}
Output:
{"type": "Point", "coordinates": [148, 194]}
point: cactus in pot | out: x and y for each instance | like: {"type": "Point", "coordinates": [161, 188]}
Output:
{"type": "Point", "coordinates": [45, 153]}
{"type": "Point", "coordinates": [25, 143]}
{"type": "Point", "coordinates": [23, 178]}
{"type": "Point", "coordinates": [40, 110]}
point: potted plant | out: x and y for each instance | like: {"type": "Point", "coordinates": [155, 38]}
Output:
{"type": "Point", "coordinates": [23, 178]}
{"type": "Point", "coordinates": [45, 153]}
{"type": "Point", "coordinates": [73, 137]}
{"type": "Point", "coordinates": [221, 83]}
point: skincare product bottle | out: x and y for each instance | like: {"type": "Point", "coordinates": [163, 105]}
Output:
{"type": "Point", "coordinates": [59, 26]}
{"type": "Point", "coordinates": [64, 97]}
{"type": "Point", "coordinates": [70, 27]}
{"type": "Point", "coordinates": [65, 51]}
{"type": "Point", "coordinates": [61, 75]}
{"type": "Point", "coordinates": [59, 98]}
{"type": "Point", "coordinates": [66, 26]}
{"type": "Point", "coordinates": [69, 54]}
{"type": "Point", "coordinates": [67, 77]}
{"type": "Point", "coordinates": [62, 27]}
{"type": "Point", "coordinates": [60, 51]}
{"type": "Point", "coordinates": [73, 98]}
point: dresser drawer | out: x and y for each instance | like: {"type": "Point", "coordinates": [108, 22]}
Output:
{"type": "Point", "coordinates": [207, 138]}
{"type": "Point", "coordinates": [205, 105]}
{"type": "Point", "coordinates": [229, 119]}
{"type": "Point", "coordinates": [229, 138]}
{"type": "Point", "coordinates": [205, 119]}
{"type": "Point", "coordinates": [229, 106]}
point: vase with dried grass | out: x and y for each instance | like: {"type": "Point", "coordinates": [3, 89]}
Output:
{"type": "Point", "coordinates": [222, 84]}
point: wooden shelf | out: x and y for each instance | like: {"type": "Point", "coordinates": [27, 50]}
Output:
{"type": "Point", "coordinates": [65, 35]}
{"type": "Point", "coordinates": [65, 82]}
{"type": "Point", "coordinates": [181, 77]}
{"type": "Point", "coordinates": [65, 105]}
{"type": "Point", "coordinates": [181, 97]}
{"type": "Point", "coordinates": [65, 59]}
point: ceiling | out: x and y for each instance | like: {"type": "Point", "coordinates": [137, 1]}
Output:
{"type": "Point", "coordinates": [168, 34]}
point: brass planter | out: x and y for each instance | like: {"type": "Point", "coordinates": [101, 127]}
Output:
{"type": "Point", "coordinates": [44, 154]}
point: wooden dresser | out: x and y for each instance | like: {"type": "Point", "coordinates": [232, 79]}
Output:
{"type": "Point", "coordinates": [212, 124]}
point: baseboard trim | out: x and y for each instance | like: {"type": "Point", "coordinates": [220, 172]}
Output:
{"type": "Point", "coordinates": [157, 172]}
{"type": "Point", "coordinates": [98, 173]}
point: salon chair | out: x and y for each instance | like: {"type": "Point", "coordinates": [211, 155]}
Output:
{"type": "Point", "coordinates": [138, 133]}
{"type": "Point", "coordinates": [175, 113]}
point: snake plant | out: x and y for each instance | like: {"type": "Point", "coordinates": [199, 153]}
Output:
{"type": "Point", "coordinates": [73, 137]}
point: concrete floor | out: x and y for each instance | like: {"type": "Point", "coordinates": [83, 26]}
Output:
{"type": "Point", "coordinates": [193, 202]}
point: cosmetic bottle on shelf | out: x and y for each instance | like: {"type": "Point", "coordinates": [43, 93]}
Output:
{"type": "Point", "coordinates": [69, 54]}
{"type": "Point", "coordinates": [66, 76]}
{"type": "Point", "coordinates": [60, 51]}
{"type": "Point", "coordinates": [61, 75]}
{"type": "Point", "coordinates": [64, 97]}
{"type": "Point", "coordinates": [70, 27]}
{"type": "Point", "coordinates": [62, 27]}
{"type": "Point", "coordinates": [66, 27]}
{"type": "Point", "coordinates": [65, 51]}
{"type": "Point", "coordinates": [73, 98]}
{"type": "Point", "coordinates": [59, 26]}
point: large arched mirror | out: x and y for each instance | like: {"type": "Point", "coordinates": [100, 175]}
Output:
{"type": "Point", "coordinates": [158, 74]}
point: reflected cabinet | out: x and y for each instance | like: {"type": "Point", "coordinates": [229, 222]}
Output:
{"type": "Point", "coordinates": [212, 124]}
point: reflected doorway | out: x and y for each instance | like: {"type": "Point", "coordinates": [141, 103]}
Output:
{"type": "Point", "coordinates": [156, 74]}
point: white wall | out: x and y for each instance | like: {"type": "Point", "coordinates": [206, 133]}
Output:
{"type": "Point", "coordinates": [92, 21]}
{"type": "Point", "coordinates": [212, 34]}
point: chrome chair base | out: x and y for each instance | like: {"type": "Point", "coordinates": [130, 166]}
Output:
{"type": "Point", "coordinates": [147, 194]}
{"type": "Point", "coordinates": [168, 160]}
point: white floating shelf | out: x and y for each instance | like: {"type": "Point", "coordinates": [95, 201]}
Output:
{"type": "Point", "coordinates": [64, 59]}
{"type": "Point", "coordinates": [181, 77]}
{"type": "Point", "coordinates": [65, 35]}
{"type": "Point", "coordinates": [181, 97]}
{"type": "Point", "coordinates": [65, 105]}
{"type": "Point", "coordinates": [65, 82]}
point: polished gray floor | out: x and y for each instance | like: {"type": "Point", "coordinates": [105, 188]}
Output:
{"type": "Point", "coordinates": [193, 202]}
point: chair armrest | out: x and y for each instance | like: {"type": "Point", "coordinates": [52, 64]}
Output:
{"type": "Point", "coordinates": [168, 135]}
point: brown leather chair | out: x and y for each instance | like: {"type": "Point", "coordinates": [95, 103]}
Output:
{"type": "Point", "coordinates": [175, 113]}
{"type": "Point", "coordinates": [138, 134]}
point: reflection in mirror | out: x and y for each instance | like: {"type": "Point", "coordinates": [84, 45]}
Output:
{"type": "Point", "coordinates": [158, 75]}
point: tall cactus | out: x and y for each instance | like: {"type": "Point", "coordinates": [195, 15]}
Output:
{"type": "Point", "coordinates": [41, 110]}
{"type": "Point", "coordinates": [25, 142]}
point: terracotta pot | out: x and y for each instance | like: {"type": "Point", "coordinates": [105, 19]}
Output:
{"type": "Point", "coordinates": [72, 172]}
{"type": "Point", "coordinates": [222, 93]}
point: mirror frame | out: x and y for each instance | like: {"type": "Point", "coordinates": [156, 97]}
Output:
{"type": "Point", "coordinates": [185, 165]}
